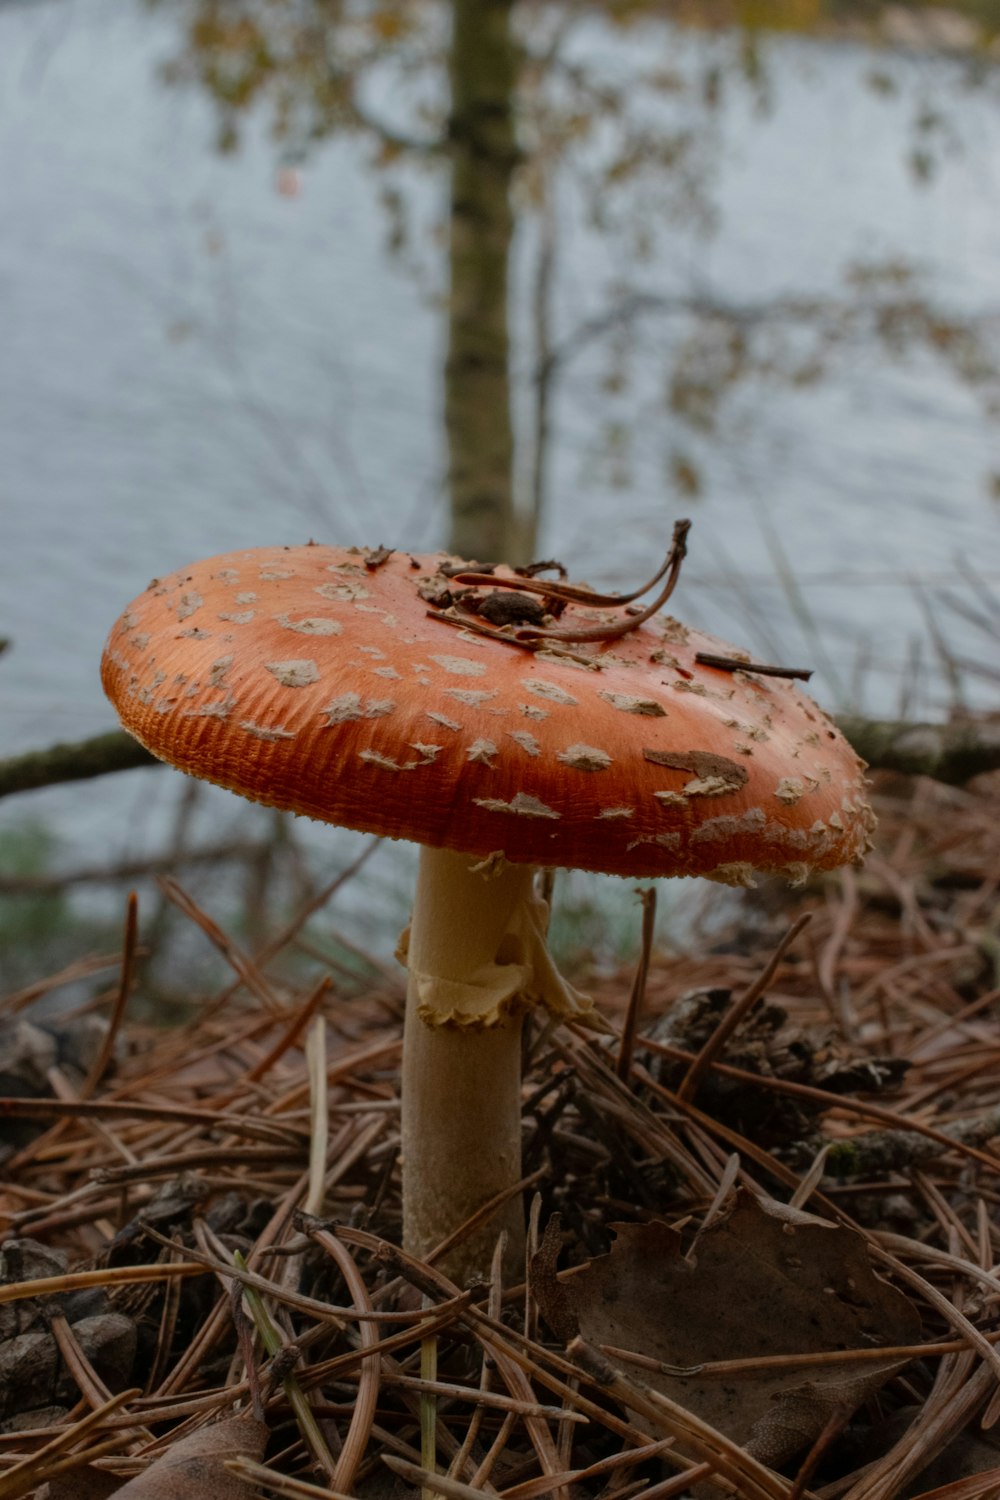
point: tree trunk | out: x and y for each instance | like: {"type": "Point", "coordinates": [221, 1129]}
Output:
{"type": "Point", "coordinates": [477, 378]}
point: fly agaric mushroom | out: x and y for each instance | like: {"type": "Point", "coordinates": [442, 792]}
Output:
{"type": "Point", "coordinates": [504, 724]}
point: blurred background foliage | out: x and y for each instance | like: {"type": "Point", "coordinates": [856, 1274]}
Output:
{"type": "Point", "coordinates": [500, 97]}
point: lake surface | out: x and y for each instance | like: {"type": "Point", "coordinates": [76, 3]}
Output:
{"type": "Point", "coordinates": [191, 362]}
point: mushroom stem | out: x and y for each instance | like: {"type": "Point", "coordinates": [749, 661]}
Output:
{"type": "Point", "coordinates": [461, 1125]}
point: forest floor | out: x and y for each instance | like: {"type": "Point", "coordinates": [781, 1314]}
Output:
{"type": "Point", "coordinates": [763, 1236]}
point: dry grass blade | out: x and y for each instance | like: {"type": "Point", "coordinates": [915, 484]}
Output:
{"type": "Point", "coordinates": [291, 929]}
{"type": "Point", "coordinates": [835, 1425]}
{"type": "Point", "coordinates": [737, 1011]}
{"type": "Point", "coordinates": [484, 1390]}
{"type": "Point", "coordinates": [256, 1129]}
{"type": "Point", "coordinates": [938, 1425]}
{"type": "Point", "coordinates": [753, 1480]}
{"type": "Point", "coordinates": [679, 1486]}
{"type": "Point", "coordinates": [487, 1211]}
{"type": "Point", "coordinates": [985, 1486]}
{"type": "Point", "coordinates": [33, 1471]}
{"type": "Point", "coordinates": [368, 1382]}
{"type": "Point", "coordinates": [274, 1343]}
{"type": "Point", "coordinates": [319, 1119]}
{"type": "Point", "coordinates": [724, 1369]}
{"type": "Point", "coordinates": [298, 1024]}
{"type": "Point", "coordinates": [248, 972]}
{"type": "Point", "coordinates": [637, 994]}
{"type": "Point", "coordinates": [130, 942]}
{"type": "Point", "coordinates": [862, 1109]}
{"type": "Point", "coordinates": [626, 1459]}
{"type": "Point", "coordinates": [53, 1286]}
{"type": "Point", "coordinates": [78, 1469]}
{"type": "Point", "coordinates": [947, 1309]}
{"type": "Point", "coordinates": [485, 1398]}
{"type": "Point", "coordinates": [282, 1484]}
{"type": "Point", "coordinates": [89, 1383]}
{"type": "Point", "coordinates": [81, 968]}
{"type": "Point", "coordinates": [453, 1489]}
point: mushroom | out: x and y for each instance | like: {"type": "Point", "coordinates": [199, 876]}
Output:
{"type": "Point", "coordinates": [504, 724]}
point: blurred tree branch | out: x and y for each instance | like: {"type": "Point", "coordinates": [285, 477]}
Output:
{"type": "Point", "coordinates": [952, 753]}
{"type": "Point", "coordinates": [132, 869]}
{"type": "Point", "coordinates": [75, 761]}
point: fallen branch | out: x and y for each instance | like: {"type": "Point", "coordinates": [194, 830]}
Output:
{"type": "Point", "coordinates": [953, 752]}
{"type": "Point", "coordinates": [77, 761]}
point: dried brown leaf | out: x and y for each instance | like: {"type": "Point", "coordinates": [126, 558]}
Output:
{"type": "Point", "coordinates": [82, 1484]}
{"type": "Point", "coordinates": [194, 1468]}
{"type": "Point", "coordinates": [970, 1455]}
{"type": "Point", "coordinates": [547, 1289]}
{"type": "Point", "coordinates": [765, 1280]}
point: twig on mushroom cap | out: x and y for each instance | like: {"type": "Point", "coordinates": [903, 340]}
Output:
{"type": "Point", "coordinates": [529, 635]}
{"type": "Point", "coordinates": [737, 664]}
{"type": "Point", "coordinates": [569, 592]}
{"type": "Point", "coordinates": [546, 565]}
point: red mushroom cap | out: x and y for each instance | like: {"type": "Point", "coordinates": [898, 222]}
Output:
{"type": "Point", "coordinates": [317, 679]}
